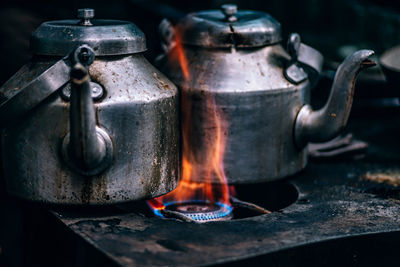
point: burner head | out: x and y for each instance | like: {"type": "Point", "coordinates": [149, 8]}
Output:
{"type": "Point", "coordinates": [202, 211]}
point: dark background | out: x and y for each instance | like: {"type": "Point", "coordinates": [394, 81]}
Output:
{"type": "Point", "coordinates": [335, 27]}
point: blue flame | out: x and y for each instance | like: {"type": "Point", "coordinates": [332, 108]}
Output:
{"type": "Point", "coordinates": [206, 216]}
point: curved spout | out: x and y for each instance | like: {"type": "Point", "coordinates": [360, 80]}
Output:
{"type": "Point", "coordinates": [326, 123]}
{"type": "Point", "coordinates": [87, 148]}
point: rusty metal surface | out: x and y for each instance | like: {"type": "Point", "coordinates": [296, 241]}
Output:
{"type": "Point", "coordinates": [262, 92]}
{"type": "Point", "coordinates": [33, 83]}
{"type": "Point", "coordinates": [107, 37]}
{"type": "Point", "coordinates": [330, 211]}
{"type": "Point", "coordinates": [225, 28]}
{"type": "Point", "coordinates": [139, 112]}
{"type": "Point", "coordinates": [123, 147]}
{"type": "Point", "coordinates": [335, 202]}
{"type": "Point", "coordinates": [251, 101]}
{"type": "Point", "coordinates": [269, 122]}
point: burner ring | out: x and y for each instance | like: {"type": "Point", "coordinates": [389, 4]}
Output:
{"type": "Point", "coordinates": [201, 211]}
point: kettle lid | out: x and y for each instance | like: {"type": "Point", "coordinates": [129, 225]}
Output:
{"type": "Point", "coordinates": [106, 37]}
{"type": "Point", "coordinates": [229, 27]}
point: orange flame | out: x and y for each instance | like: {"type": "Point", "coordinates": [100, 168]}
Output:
{"type": "Point", "coordinates": [178, 56]}
{"type": "Point", "coordinates": [203, 178]}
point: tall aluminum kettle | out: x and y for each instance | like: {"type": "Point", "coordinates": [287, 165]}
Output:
{"type": "Point", "coordinates": [89, 120]}
{"type": "Point", "coordinates": [261, 90]}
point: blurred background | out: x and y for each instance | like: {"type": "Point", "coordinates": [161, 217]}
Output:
{"type": "Point", "coordinates": [335, 27]}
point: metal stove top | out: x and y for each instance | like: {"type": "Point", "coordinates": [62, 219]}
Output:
{"type": "Point", "coordinates": [336, 206]}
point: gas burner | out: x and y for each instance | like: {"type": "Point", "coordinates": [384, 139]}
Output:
{"type": "Point", "coordinates": [200, 211]}
{"type": "Point", "coordinates": [254, 200]}
{"type": "Point", "coordinates": [196, 211]}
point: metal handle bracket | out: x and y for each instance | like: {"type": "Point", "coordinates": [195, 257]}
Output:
{"type": "Point", "coordinates": [305, 63]}
{"type": "Point", "coordinates": [16, 101]}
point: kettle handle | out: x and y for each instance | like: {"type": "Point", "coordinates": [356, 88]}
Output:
{"type": "Point", "coordinates": [305, 63]}
{"type": "Point", "coordinates": [14, 102]}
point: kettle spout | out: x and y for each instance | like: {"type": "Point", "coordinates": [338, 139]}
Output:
{"type": "Point", "coordinates": [326, 123]}
{"type": "Point", "coordinates": [87, 148]}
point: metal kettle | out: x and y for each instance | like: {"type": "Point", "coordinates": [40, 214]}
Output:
{"type": "Point", "coordinates": [236, 57]}
{"type": "Point", "coordinates": [89, 120]}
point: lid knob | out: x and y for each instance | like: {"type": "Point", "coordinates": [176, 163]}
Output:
{"type": "Point", "coordinates": [230, 11]}
{"type": "Point", "coordinates": [85, 14]}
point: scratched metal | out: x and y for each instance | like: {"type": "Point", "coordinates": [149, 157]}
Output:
{"type": "Point", "coordinates": [136, 118]}
{"type": "Point", "coordinates": [327, 209]}
{"type": "Point", "coordinates": [262, 109]}
{"type": "Point", "coordinates": [139, 112]}
{"type": "Point", "coordinates": [334, 203]}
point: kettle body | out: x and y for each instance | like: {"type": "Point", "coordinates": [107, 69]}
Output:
{"type": "Point", "coordinates": [260, 89]}
{"type": "Point", "coordinates": [132, 105]}
{"type": "Point", "coordinates": [258, 104]}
